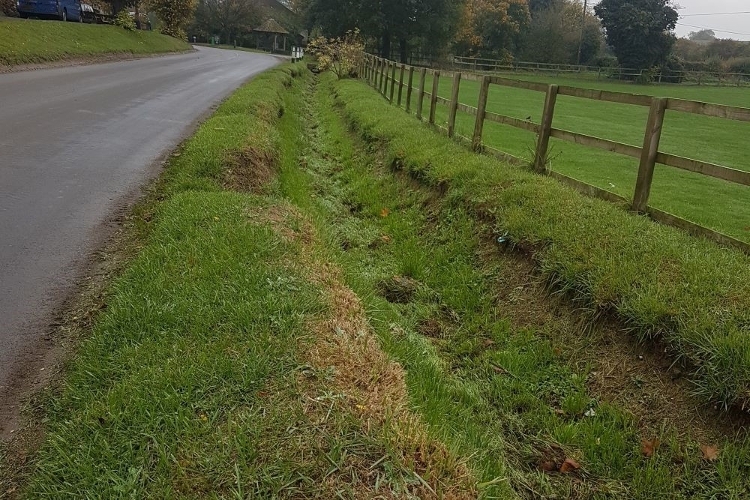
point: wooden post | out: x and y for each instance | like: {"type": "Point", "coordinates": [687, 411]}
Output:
{"type": "Point", "coordinates": [454, 104]}
{"type": "Point", "coordinates": [540, 159]}
{"type": "Point", "coordinates": [476, 141]}
{"type": "Point", "coordinates": [648, 154]}
{"type": "Point", "coordinates": [409, 89]}
{"type": "Point", "coordinates": [420, 92]}
{"type": "Point", "coordinates": [384, 77]}
{"type": "Point", "coordinates": [400, 85]}
{"type": "Point", "coordinates": [393, 80]}
{"type": "Point", "coordinates": [434, 96]}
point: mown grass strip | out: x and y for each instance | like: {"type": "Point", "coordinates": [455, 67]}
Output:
{"type": "Point", "coordinates": [662, 283]}
{"type": "Point", "coordinates": [29, 41]}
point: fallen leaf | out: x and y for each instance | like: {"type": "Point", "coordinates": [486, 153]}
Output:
{"type": "Point", "coordinates": [569, 465]}
{"type": "Point", "coordinates": [385, 238]}
{"type": "Point", "coordinates": [710, 453]}
{"type": "Point", "coordinates": [648, 447]}
{"type": "Point", "coordinates": [384, 212]}
{"type": "Point", "coordinates": [488, 342]}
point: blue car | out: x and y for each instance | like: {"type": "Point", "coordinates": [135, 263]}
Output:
{"type": "Point", "coordinates": [65, 10]}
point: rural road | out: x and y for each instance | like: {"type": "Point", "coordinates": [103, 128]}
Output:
{"type": "Point", "coordinates": [75, 144]}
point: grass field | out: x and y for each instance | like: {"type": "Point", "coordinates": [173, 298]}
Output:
{"type": "Point", "coordinates": [31, 41]}
{"type": "Point", "coordinates": [713, 203]}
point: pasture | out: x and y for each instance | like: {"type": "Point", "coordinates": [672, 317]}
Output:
{"type": "Point", "coordinates": [713, 203]}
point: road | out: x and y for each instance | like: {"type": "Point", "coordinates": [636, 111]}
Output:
{"type": "Point", "coordinates": [75, 144]}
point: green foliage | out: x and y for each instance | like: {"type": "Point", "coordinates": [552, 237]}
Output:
{"type": "Point", "coordinates": [341, 55]}
{"type": "Point", "coordinates": [174, 15]}
{"type": "Point", "coordinates": [232, 20]}
{"type": "Point", "coordinates": [492, 28]}
{"type": "Point", "coordinates": [639, 31]}
{"type": "Point", "coordinates": [123, 20]}
{"type": "Point", "coordinates": [554, 35]}
{"type": "Point", "coordinates": [406, 23]}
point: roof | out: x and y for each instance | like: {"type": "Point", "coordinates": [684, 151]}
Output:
{"type": "Point", "coordinates": [271, 26]}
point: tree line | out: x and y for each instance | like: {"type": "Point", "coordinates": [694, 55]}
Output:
{"type": "Point", "coordinates": [636, 34]}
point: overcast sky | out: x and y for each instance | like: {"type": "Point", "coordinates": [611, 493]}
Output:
{"type": "Point", "coordinates": [735, 26]}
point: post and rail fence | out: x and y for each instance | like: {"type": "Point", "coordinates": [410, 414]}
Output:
{"type": "Point", "coordinates": [379, 72]}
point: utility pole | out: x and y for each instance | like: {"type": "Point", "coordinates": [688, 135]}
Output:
{"type": "Point", "coordinates": [583, 25]}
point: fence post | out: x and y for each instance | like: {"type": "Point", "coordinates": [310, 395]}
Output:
{"type": "Point", "coordinates": [648, 154]}
{"type": "Point", "coordinates": [454, 104]}
{"type": "Point", "coordinates": [409, 89]}
{"type": "Point", "coordinates": [540, 159]}
{"type": "Point", "coordinates": [434, 96]}
{"type": "Point", "coordinates": [386, 67]}
{"type": "Point", "coordinates": [400, 84]}
{"type": "Point", "coordinates": [379, 74]}
{"type": "Point", "coordinates": [420, 92]}
{"type": "Point", "coordinates": [476, 141]}
{"type": "Point", "coordinates": [382, 75]}
{"type": "Point", "coordinates": [393, 79]}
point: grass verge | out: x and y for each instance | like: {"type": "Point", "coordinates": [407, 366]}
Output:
{"type": "Point", "coordinates": [30, 41]}
{"type": "Point", "coordinates": [688, 293]}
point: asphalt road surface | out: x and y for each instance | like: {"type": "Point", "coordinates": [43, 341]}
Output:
{"type": "Point", "coordinates": [75, 144]}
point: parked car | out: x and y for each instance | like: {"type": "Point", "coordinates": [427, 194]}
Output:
{"type": "Point", "coordinates": [65, 10]}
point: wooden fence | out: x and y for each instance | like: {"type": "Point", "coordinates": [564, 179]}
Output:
{"type": "Point", "coordinates": [380, 73]}
{"type": "Point", "coordinates": [476, 65]}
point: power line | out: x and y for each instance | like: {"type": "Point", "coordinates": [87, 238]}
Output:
{"type": "Point", "coordinates": [716, 14]}
{"type": "Point", "coordinates": [713, 29]}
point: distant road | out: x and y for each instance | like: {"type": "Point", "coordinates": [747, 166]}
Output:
{"type": "Point", "coordinates": [75, 144]}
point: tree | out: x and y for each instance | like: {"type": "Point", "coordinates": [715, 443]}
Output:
{"type": "Point", "coordinates": [405, 22]}
{"type": "Point", "coordinates": [702, 36]}
{"type": "Point", "coordinates": [641, 32]}
{"type": "Point", "coordinates": [173, 14]}
{"type": "Point", "coordinates": [230, 19]}
{"type": "Point", "coordinates": [555, 34]}
{"type": "Point", "coordinates": [492, 28]}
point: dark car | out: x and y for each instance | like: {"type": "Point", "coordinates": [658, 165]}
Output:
{"type": "Point", "coordinates": [65, 10]}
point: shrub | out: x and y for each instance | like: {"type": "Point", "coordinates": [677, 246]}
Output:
{"type": "Point", "coordinates": [341, 55]}
{"type": "Point", "coordinates": [123, 20]}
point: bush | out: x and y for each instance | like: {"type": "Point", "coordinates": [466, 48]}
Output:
{"type": "Point", "coordinates": [672, 71]}
{"type": "Point", "coordinates": [123, 20]}
{"type": "Point", "coordinates": [341, 55]}
{"type": "Point", "coordinates": [739, 65]}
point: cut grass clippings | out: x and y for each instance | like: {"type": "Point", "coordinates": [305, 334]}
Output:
{"type": "Point", "coordinates": [686, 292]}
{"type": "Point", "coordinates": [25, 41]}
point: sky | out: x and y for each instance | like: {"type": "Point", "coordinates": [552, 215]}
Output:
{"type": "Point", "coordinates": [734, 25]}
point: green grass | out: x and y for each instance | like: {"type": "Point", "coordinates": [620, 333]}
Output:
{"type": "Point", "coordinates": [195, 382]}
{"type": "Point", "coordinates": [192, 382]}
{"type": "Point", "coordinates": [688, 292]}
{"type": "Point", "coordinates": [713, 203]}
{"type": "Point", "coordinates": [30, 41]}
{"type": "Point", "coordinates": [506, 422]}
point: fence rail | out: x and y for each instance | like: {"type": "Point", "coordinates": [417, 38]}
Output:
{"type": "Point", "coordinates": [494, 65]}
{"type": "Point", "coordinates": [380, 72]}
